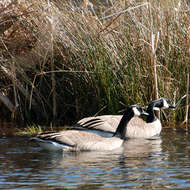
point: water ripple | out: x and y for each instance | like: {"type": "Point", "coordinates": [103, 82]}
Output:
{"type": "Point", "coordinates": [143, 164]}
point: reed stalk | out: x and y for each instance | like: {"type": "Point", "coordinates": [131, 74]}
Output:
{"type": "Point", "coordinates": [154, 44]}
{"type": "Point", "coordinates": [187, 103]}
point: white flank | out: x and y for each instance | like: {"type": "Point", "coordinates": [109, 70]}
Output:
{"type": "Point", "coordinates": [51, 145]}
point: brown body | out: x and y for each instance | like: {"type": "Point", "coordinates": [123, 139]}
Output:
{"type": "Point", "coordinates": [74, 140]}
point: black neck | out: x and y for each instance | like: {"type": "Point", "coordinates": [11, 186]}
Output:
{"type": "Point", "coordinates": [121, 129]}
{"type": "Point", "coordinates": [150, 110]}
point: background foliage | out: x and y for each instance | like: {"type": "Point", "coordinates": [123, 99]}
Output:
{"type": "Point", "coordinates": [62, 60]}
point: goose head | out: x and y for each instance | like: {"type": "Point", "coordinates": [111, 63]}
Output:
{"type": "Point", "coordinates": [136, 110]}
{"type": "Point", "coordinates": [162, 103]}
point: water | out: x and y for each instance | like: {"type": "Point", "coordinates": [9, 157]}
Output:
{"type": "Point", "coordinates": [163, 163]}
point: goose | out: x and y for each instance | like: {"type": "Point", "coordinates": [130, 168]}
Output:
{"type": "Point", "coordinates": [77, 140]}
{"type": "Point", "coordinates": [105, 125]}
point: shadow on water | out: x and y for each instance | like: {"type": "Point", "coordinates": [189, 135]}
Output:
{"type": "Point", "coordinates": [142, 164]}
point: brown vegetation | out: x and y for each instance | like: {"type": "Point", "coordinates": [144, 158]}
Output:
{"type": "Point", "coordinates": [61, 60]}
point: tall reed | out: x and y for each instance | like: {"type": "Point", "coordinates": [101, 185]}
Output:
{"type": "Point", "coordinates": [61, 61]}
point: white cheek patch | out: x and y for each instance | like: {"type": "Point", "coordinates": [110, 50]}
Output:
{"type": "Point", "coordinates": [136, 112]}
{"type": "Point", "coordinates": [156, 109]}
{"type": "Point", "coordinates": [165, 104]}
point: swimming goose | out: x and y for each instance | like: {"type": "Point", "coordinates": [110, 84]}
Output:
{"type": "Point", "coordinates": [105, 125]}
{"type": "Point", "coordinates": [76, 140]}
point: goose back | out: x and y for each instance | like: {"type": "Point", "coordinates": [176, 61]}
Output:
{"type": "Point", "coordinates": [106, 123]}
{"type": "Point", "coordinates": [74, 140]}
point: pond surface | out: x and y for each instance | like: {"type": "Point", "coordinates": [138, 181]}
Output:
{"type": "Point", "coordinates": [163, 163]}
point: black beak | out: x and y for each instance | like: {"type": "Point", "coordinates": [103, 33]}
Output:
{"type": "Point", "coordinates": [172, 106]}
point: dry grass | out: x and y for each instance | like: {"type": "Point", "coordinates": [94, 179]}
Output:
{"type": "Point", "coordinates": [59, 63]}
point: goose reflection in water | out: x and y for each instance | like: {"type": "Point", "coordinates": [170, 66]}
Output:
{"type": "Point", "coordinates": [130, 153]}
{"type": "Point", "coordinates": [142, 147]}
